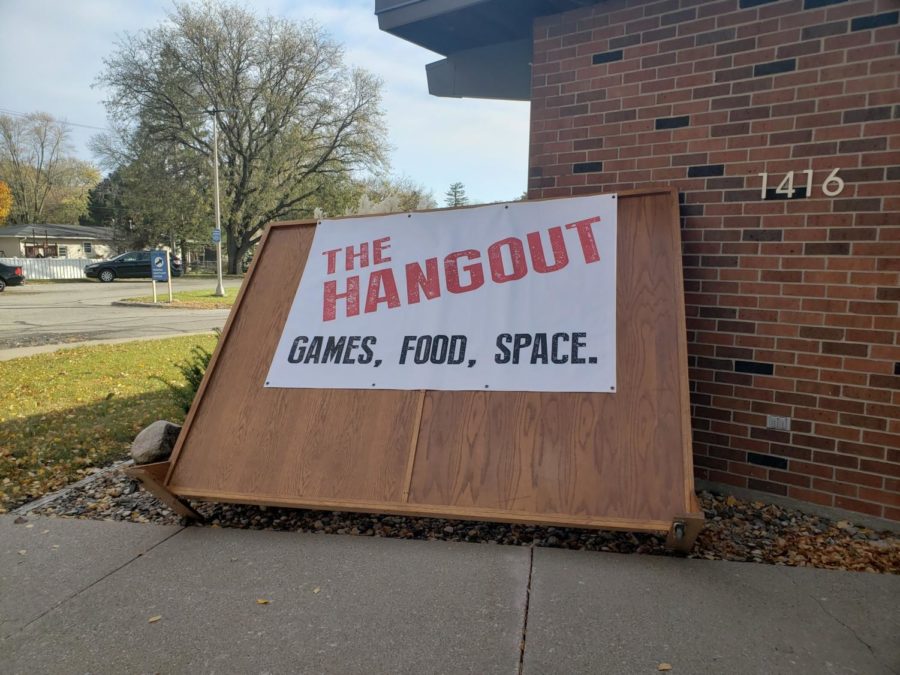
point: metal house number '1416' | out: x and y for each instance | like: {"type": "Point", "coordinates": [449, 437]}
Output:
{"type": "Point", "coordinates": [832, 186]}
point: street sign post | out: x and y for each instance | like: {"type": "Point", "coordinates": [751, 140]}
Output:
{"type": "Point", "coordinates": [159, 271]}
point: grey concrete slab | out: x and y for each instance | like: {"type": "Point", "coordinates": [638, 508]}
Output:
{"type": "Point", "coordinates": [337, 604]}
{"type": "Point", "coordinates": [609, 613]}
{"type": "Point", "coordinates": [53, 560]}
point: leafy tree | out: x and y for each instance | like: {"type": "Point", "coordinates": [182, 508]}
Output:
{"type": "Point", "coordinates": [456, 195]}
{"type": "Point", "coordinates": [294, 123]}
{"type": "Point", "coordinates": [104, 203]}
{"type": "Point", "coordinates": [164, 191]}
{"type": "Point", "coordinates": [48, 185]}
{"type": "Point", "coordinates": [5, 201]}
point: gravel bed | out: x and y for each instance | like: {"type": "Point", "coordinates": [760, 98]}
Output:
{"type": "Point", "coordinates": [735, 530]}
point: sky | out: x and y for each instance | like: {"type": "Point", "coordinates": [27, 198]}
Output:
{"type": "Point", "coordinates": [51, 52]}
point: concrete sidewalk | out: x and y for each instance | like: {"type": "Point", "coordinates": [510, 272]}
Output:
{"type": "Point", "coordinates": [76, 596]}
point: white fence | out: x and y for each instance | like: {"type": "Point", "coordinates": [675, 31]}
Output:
{"type": "Point", "coordinates": [50, 268]}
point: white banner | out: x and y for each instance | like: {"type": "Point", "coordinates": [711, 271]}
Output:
{"type": "Point", "coordinates": [510, 297]}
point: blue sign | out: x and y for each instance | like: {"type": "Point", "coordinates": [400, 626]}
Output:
{"type": "Point", "coordinates": [159, 268]}
{"type": "Point", "coordinates": [217, 235]}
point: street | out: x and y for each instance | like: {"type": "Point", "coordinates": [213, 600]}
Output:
{"type": "Point", "coordinates": [56, 313]}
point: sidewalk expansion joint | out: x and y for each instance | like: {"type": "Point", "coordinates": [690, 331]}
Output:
{"type": "Point", "coordinates": [849, 629]}
{"type": "Point", "coordinates": [93, 583]}
{"type": "Point", "coordinates": [527, 605]}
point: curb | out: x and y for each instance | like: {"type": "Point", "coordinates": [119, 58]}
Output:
{"type": "Point", "coordinates": [165, 305]}
{"type": "Point", "coordinates": [158, 305]}
{"type": "Point", "coordinates": [25, 509]}
{"type": "Point", "coordinates": [25, 352]}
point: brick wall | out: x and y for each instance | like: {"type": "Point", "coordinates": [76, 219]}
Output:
{"type": "Point", "coordinates": [792, 304]}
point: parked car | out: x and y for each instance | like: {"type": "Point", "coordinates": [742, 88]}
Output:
{"type": "Point", "coordinates": [131, 265]}
{"type": "Point", "coordinates": [11, 276]}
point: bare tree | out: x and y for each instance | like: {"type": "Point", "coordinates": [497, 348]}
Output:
{"type": "Point", "coordinates": [45, 181]}
{"type": "Point", "coordinates": [292, 119]}
{"type": "Point", "coordinates": [384, 194]}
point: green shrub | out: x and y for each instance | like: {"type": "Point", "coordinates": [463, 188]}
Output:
{"type": "Point", "coordinates": [193, 369]}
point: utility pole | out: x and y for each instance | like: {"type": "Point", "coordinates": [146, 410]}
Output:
{"type": "Point", "coordinates": [220, 287]}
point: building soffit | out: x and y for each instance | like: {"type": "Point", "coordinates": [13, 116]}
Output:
{"type": "Point", "coordinates": [487, 43]}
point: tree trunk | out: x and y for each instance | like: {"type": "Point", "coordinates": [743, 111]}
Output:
{"type": "Point", "coordinates": [234, 261]}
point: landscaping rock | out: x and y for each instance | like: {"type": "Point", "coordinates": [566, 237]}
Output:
{"type": "Point", "coordinates": [155, 443]}
{"type": "Point", "coordinates": [734, 530]}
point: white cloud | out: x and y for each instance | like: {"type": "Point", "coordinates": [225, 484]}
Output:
{"type": "Point", "coordinates": [52, 50]}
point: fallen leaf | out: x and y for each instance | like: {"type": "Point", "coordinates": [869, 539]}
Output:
{"type": "Point", "coordinates": [29, 526]}
{"type": "Point", "coordinates": [23, 552]}
{"type": "Point", "coordinates": [664, 666]}
{"type": "Point", "coordinates": [316, 589]}
{"type": "Point", "coordinates": [262, 601]}
{"type": "Point", "coordinates": [154, 619]}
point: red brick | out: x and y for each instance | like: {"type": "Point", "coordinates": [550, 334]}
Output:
{"type": "Point", "coordinates": [812, 469]}
{"type": "Point", "coordinates": [857, 505]}
{"type": "Point", "coordinates": [835, 487]}
{"type": "Point", "coordinates": [857, 477]}
{"type": "Point", "coordinates": [818, 299]}
{"type": "Point", "coordinates": [812, 496]}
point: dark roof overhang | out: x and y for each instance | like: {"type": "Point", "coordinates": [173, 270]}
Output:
{"type": "Point", "coordinates": [487, 43]}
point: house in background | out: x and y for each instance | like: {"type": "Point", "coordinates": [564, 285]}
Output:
{"type": "Point", "coordinates": [56, 241]}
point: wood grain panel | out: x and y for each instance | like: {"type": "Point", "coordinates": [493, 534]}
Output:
{"type": "Point", "coordinates": [617, 455]}
{"type": "Point", "coordinates": [619, 460]}
{"type": "Point", "coordinates": [288, 443]}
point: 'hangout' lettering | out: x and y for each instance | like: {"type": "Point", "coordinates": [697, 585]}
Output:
{"type": "Point", "coordinates": [463, 271]}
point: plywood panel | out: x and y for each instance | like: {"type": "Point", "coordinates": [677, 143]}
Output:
{"type": "Point", "coordinates": [618, 455]}
{"type": "Point", "coordinates": [287, 443]}
{"type": "Point", "coordinates": [598, 460]}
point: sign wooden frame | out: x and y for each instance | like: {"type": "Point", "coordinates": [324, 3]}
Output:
{"type": "Point", "coordinates": [621, 460]}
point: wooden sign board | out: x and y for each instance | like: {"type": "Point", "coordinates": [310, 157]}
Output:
{"type": "Point", "coordinates": [595, 460]}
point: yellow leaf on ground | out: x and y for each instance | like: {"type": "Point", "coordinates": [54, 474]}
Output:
{"type": "Point", "coordinates": [154, 619]}
{"type": "Point", "coordinates": [664, 666]}
{"type": "Point", "coordinates": [316, 589]}
{"type": "Point", "coordinates": [261, 601]}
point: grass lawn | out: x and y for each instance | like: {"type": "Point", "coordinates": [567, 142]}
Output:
{"type": "Point", "coordinates": [64, 412]}
{"type": "Point", "coordinates": [191, 299]}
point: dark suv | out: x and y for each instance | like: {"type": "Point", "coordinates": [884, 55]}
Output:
{"type": "Point", "coordinates": [10, 276]}
{"type": "Point", "coordinates": [131, 265]}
